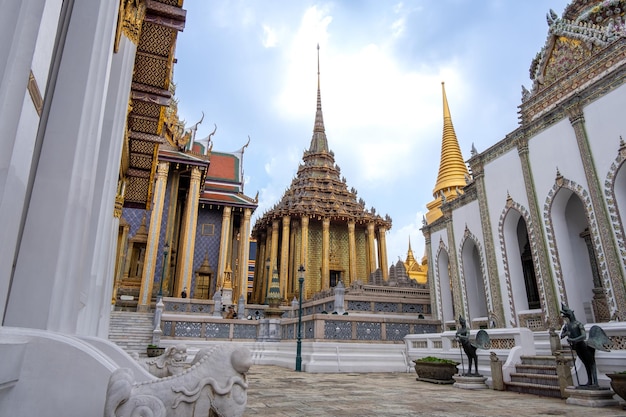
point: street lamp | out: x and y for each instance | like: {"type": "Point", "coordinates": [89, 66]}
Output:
{"type": "Point", "coordinates": [299, 342]}
{"type": "Point", "coordinates": [166, 249]}
{"type": "Point", "coordinates": [267, 278]}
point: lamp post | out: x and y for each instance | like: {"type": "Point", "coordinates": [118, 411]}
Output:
{"type": "Point", "coordinates": [166, 249]}
{"type": "Point", "coordinates": [267, 279]}
{"type": "Point", "coordinates": [299, 342]}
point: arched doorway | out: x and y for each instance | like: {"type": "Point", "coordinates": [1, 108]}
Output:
{"type": "Point", "coordinates": [474, 284]}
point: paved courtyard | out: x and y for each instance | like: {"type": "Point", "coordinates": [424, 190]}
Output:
{"type": "Point", "coordinates": [278, 392]}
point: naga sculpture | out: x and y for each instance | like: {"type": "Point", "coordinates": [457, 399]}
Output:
{"type": "Point", "coordinates": [214, 385]}
{"type": "Point", "coordinates": [585, 350]}
{"type": "Point", "coordinates": [171, 362]}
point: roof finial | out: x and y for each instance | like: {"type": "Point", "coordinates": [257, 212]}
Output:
{"type": "Point", "coordinates": [319, 143]}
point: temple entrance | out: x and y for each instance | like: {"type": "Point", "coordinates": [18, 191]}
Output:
{"type": "Point", "coordinates": [335, 277]}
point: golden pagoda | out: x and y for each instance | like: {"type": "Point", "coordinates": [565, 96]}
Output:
{"type": "Point", "coordinates": [320, 225]}
{"type": "Point", "coordinates": [453, 172]}
{"type": "Point", "coordinates": [413, 268]}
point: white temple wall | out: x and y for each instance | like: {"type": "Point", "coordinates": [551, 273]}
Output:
{"type": "Point", "coordinates": [98, 285]}
{"type": "Point", "coordinates": [605, 123]}
{"type": "Point", "coordinates": [553, 148]}
{"type": "Point", "coordinates": [48, 294]}
{"type": "Point", "coordinates": [27, 30]}
{"type": "Point", "coordinates": [472, 269]}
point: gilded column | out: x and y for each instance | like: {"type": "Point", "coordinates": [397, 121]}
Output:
{"type": "Point", "coordinates": [284, 257]}
{"type": "Point", "coordinates": [352, 254]}
{"type": "Point", "coordinates": [371, 250]}
{"type": "Point", "coordinates": [304, 255]}
{"type": "Point", "coordinates": [382, 252]}
{"type": "Point", "coordinates": [152, 246]}
{"type": "Point", "coordinates": [259, 271]}
{"type": "Point", "coordinates": [188, 234]}
{"type": "Point", "coordinates": [603, 219]}
{"type": "Point", "coordinates": [497, 306]}
{"type": "Point", "coordinates": [168, 281]}
{"type": "Point", "coordinates": [544, 273]}
{"type": "Point", "coordinates": [274, 252]}
{"type": "Point", "coordinates": [325, 253]}
{"type": "Point", "coordinates": [224, 245]}
{"type": "Point", "coordinates": [244, 254]}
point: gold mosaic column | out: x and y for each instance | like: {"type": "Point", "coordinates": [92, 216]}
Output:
{"type": "Point", "coordinates": [304, 255]}
{"type": "Point", "coordinates": [259, 271]}
{"type": "Point", "coordinates": [152, 246]}
{"type": "Point", "coordinates": [188, 234]}
{"type": "Point", "coordinates": [325, 253]}
{"type": "Point", "coordinates": [274, 252]}
{"type": "Point", "coordinates": [244, 254]}
{"type": "Point", "coordinates": [352, 254]}
{"type": "Point", "coordinates": [284, 257]}
{"type": "Point", "coordinates": [382, 252]}
{"type": "Point", "coordinates": [224, 244]}
{"type": "Point", "coordinates": [371, 250]}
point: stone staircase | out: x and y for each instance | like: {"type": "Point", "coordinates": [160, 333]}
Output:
{"type": "Point", "coordinates": [536, 375]}
{"type": "Point", "coordinates": [132, 331]}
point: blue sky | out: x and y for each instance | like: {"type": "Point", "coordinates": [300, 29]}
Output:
{"type": "Point", "coordinates": [250, 66]}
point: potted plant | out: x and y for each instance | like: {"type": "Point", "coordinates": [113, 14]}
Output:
{"type": "Point", "coordinates": [435, 370]}
{"type": "Point", "coordinates": [153, 351]}
{"type": "Point", "coordinates": [618, 383]}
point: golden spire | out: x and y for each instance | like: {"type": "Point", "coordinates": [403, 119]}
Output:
{"type": "Point", "coordinates": [452, 168]}
{"type": "Point", "coordinates": [319, 143]}
{"type": "Point", "coordinates": [410, 258]}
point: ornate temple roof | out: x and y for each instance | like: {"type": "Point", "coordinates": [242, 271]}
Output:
{"type": "Point", "coordinates": [156, 24]}
{"type": "Point", "coordinates": [318, 191]}
{"type": "Point", "coordinates": [452, 168]}
{"type": "Point", "coordinates": [584, 35]}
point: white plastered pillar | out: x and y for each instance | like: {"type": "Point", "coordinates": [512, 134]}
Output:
{"type": "Point", "coordinates": [56, 251]}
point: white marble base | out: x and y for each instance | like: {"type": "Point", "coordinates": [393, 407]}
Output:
{"type": "Point", "coordinates": [590, 397]}
{"type": "Point", "coordinates": [470, 382]}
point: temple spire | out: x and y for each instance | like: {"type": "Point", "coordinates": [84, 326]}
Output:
{"type": "Point", "coordinates": [319, 143]}
{"type": "Point", "coordinates": [452, 168]}
{"type": "Point", "coordinates": [453, 172]}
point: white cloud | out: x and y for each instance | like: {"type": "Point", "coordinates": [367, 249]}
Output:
{"type": "Point", "coordinates": [269, 37]}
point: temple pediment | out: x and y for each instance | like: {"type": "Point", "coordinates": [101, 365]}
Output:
{"type": "Point", "coordinates": [576, 43]}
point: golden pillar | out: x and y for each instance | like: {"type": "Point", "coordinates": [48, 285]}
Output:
{"type": "Point", "coordinates": [274, 251]}
{"type": "Point", "coordinates": [174, 180]}
{"type": "Point", "coordinates": [382, 252]}
{"type": "Point", "coordinates": [152, 246]}
{"type": "Point", "coordinates": [352, 254]}
{"type": "Point", "coordinates": [304, 255]}
{"type": "Point", "coordinates": [188, 234]}
{"type": "Point", "coordinates": [284, 257]}
{"type": "Point", "coordinates": [371, 250]}
{"type": "Point", "coordinates": [224, 244]}
{"type": "Point", "coordinates": [259, 271]}
{"type": "Point", "coordinates": [325, 253]}
{"type": "Point", "coordinates": [244, 254]}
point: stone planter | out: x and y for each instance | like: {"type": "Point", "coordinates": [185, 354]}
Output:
{"type": "Point", "coordinates": [618, 383]}
{"type": "Point", "coordinates": [435, 372]}
{"type": "Point", "coordinates": [154, 351]}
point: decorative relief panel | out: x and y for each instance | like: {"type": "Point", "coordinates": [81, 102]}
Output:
{"type": "Point", "coordinates": [385, 307]}
{"type": "Point", "coordinates": [244, 331]}
{"type": "Point", "coordinates": [187, 329]}
{"type": "Point", "coordinates": [217, 331]}
{"type": "Point", "coordinates": [397, 331]}
{"type": "Point", "coordinates": [337, 330]}
{"type": "Point", "coordinates": [368, 331]}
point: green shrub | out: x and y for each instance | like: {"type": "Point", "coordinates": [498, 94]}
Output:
{"type": "Point", "coordinates": [432, 359]}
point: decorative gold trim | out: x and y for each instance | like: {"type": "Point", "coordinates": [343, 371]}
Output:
{"type": "Point", "coordinates": [35, 94]}
{"type": "Point", "coordinates": [130, 20]}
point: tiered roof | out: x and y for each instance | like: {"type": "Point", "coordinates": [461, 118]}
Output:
{"type": "Point", "coordinates": [318, 191]}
